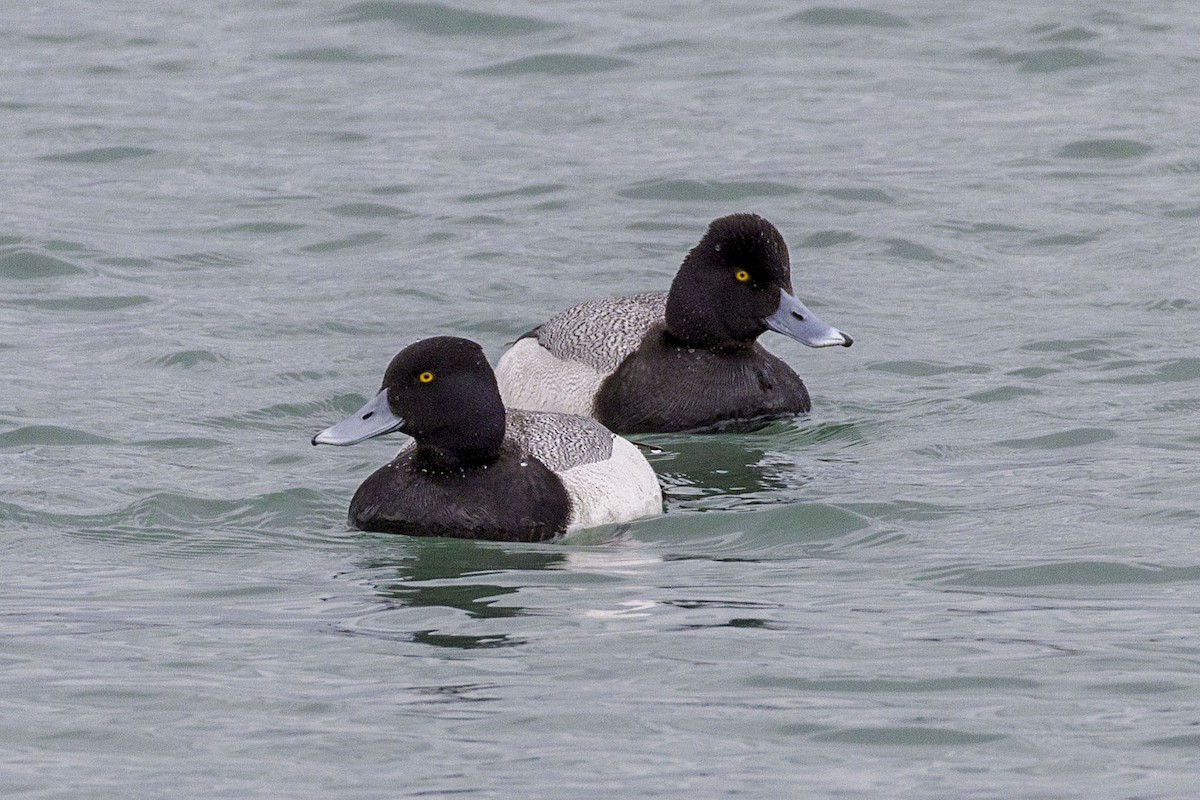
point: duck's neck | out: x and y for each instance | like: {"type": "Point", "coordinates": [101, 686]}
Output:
{"type": "Point", "coordinates": [474, 440]}
{"type": "Point", "coordinates": [698, 339]}
{"type": "Point", "coordinates": [436, 459]}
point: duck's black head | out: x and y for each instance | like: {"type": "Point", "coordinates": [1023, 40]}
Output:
{"type": "Point", "coordinates": [442, 392]}
{"type": "Point", "coordinates": [735, 284]}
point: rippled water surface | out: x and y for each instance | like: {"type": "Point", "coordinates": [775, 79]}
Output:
{"type": "Point", "coordinates": [973, 571]}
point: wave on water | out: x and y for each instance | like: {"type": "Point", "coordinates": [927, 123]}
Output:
{"type": "Point", "coordinates": [439, 19]}
{"type": "Point", "coordinates": [178, 523]}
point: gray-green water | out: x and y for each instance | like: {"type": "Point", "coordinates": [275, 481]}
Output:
{"type": "Point", "coordinates": [972, 572]}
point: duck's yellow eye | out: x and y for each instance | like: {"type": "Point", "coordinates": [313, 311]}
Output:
{"type": "Point", "coordinates": [425, 377]}
{"type": "Point", "coordinates": [742, 275]}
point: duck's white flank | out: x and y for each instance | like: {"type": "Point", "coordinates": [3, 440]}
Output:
{"type": "Point", "coordinates": [619, 489]}
{"type": "Point", "coordinates": [531, 377]}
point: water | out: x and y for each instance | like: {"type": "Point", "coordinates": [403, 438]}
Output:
{"type": "Point", "coordinates": [971, 572]}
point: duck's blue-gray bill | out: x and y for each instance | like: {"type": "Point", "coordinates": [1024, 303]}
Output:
{"type": "Point", "coordinates": [794, 320]}
{"type": "Point", "coordinates": [373, 419]}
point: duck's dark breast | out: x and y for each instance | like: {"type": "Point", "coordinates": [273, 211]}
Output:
{"type": "Point", "coordinates": [663, 388]}
{"type": "Point", "coordinates": [516, 499]}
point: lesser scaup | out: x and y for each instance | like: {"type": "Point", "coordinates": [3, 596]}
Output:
{"type": "Point", "coordinates": [684, 360]}
{"type": "Point", "coordinates": [477, 471]}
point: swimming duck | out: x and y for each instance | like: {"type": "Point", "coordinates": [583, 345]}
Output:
{"type": "Point", "coordinates": [683, 360]}
{"type": "Point", "coordinates": [476, 470]}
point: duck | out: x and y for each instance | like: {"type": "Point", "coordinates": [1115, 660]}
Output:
{"type": "Point", "coordinates": [478, 470]}
{"type": "Point", "coordinates": [683, 360]}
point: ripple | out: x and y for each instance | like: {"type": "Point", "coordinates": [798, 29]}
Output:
{"type": "Point", "coordinates": [391, 190]}
{"type": "Point", "coordinates": [981, 227]}
{"type": "Point", "coordinates": [859, 195]}
{"type": "Point", "coordinates": [1001, 394]}
{"type": "Point", "coordinates": [86, 303]}
{"type": "Point", "coordinates": [1189, 167]}
{"type": "Point", "coordinates": [282, 416]}
{"type": "Point", "coordinates": [553, 64]}
{"type": "Point", "coordinates": [811, 519]}
{"type": "Point", "coordinates": [1115, 149]}
{"type": "Point", "coordinates": [904, 511]}
{"type": "Point", "coordinates": [903, 248]}
{"type": "Point", "coordinates": [189, 359]}
{"type": "Point", "coordinates": [346, 243]}
{"type": "Point", "coordinates": [1072, 346]}
{"type": "Point", "coordinates": [691, 604]}
{"type": "Point", "coordinates": [1073, 573]}
{"type": "Point", "coordinates": [301, 376]}
{"type": "Point", "coordinates": [1054, 59]}
{"type": "Point", "coordinates": [1170, 305]}
{"type": "Point", "coordinates": [654, 47]}
{"type": "Point", "coordinates": [1190, 741]}
{"type": "Point", "coordinates": [259, 227]}
{"type": "Point", "coordinates": [344, 137]}
{"type": "Point", "coordinates": [771, 532]}
{"type": "Point", "coordinates": [1068, 35]}
{"type": "Point", "coordinates": [290, 328]}
{"type": "Point", "coordinates": [847, 432]}
{"type": "Point", "coordinates": [210, 258]}
{"type": "Point", "coordinates": [486, 256]}
{"type": "Point", "coordinates": [173, 67]}
{"type": "Point", "coordinates": [438, 19]}
{"type": "Point", "coordinates": [827, 239]}
{"type": "Point", "coordinates": [59, 38]}
{"type": "Point", "coordinates": [328, 55]}
{"type": "Point", "coordinates": [473, 221]}
{"type": "Point", "coordinates": [180, 443]}
{"type": "Point", "coordinates": [1176, 406]}
{"type": "Point", "coordinates": [99, 155]}
{"type": "Point", "coordinates": [26, 265]}
{"type": "Point", "coordinates": [965, 683]}
{"type": "Point", "coordinates": [431, 637]}
{"type": "Point", "coordinates": [1065, 240]}
{"type": "Point", "coordinates": [926, 369]}
{"type": "Point", "coordinates": [181, 516]}
{"type": "Point", "coordinates": [1179, 370]}
{"type": "Point", "coordinates": [35, 435]}
{"type": "Point", "coordinates": [907, 736]}
{"type": "Point", "coordinates": [848, 17]}
{"type": "Point", "coordinates": [1139, 687]}
{"type": "Point", "coordinates": [1076, 437]}
{"type": "Point", "coordinates": [61, 246]}
{"type": "Point", "coordinates": [659, 227]}
{"type": "Point", "coordinates": [706, 191]}
{"type": "Point", "coordinates": [535, 190]}
{"type": "Point", "coordinates": [370, 211]}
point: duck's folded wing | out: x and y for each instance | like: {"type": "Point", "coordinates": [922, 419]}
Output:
{"type": "Point", "coordinates": [560, 441]}
{"type": "Point", "coordinates": [601, 332]}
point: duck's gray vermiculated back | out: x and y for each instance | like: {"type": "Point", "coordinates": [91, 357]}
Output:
{"type": "Point", "coordinates": [603, 331]}
{"type": "Point", "coordinates": [560, 441]}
